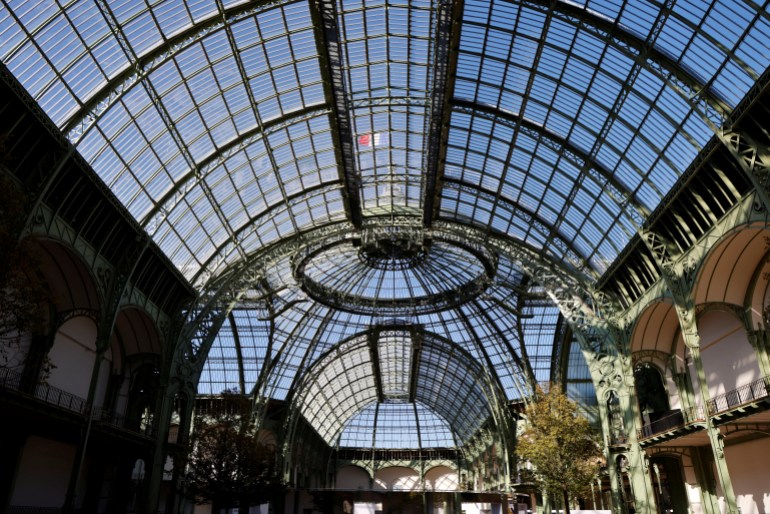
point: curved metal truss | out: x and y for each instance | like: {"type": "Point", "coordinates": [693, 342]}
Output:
{"type": "Point", "coordinates": [315, 169]}
{"type": "Point", "coordinates": [395, 274]}
{"type": "Point", "coordinates": [396, 365]}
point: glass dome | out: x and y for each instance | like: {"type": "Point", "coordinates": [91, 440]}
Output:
{"type": "Point", "coordinates": [274, 151]}
{"type": "Point", "coordinates": [395, 275]}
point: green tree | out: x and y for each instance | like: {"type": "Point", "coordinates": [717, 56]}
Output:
{"type": "Point", "coordinates": [561, 445]}
{"type": "Point", "coordinates": [227, 466]}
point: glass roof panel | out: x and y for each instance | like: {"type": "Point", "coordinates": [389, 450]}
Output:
{"type": "Point", "coordinates": [237, 354]}
{"type": "Point", "coordinates": [389, 142]}
{"type": "Point", "coordinates": [359, 430]}
{"type": "Point", "coordinates": [213, 124]}
{"type": "Point", "coordinates": [435, 432]}
{"type": "Point", "coordinates": [386, 62]}
{"type": "Point", "coordinates": [466, 409]}
{"type": "Point", "coordinates": [212, 86]}
{"type": "Point", "coordinates": [346, 381]}
{"type": "Point", "coordinates": [555, 83]}
{"type": "Point", "coordinates": [344, 384]}
{"type": "Point", "coordinates": [395, 361]}
{"type": "Point", "coordinates": [540, 330]}
{"type": "Point", "coordinates": [396, 427]}
{"type": "Point", "coordinates": [579, 386]}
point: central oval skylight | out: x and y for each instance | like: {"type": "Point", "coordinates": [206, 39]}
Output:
{"type": "Point", "coordinates": [393, 276]}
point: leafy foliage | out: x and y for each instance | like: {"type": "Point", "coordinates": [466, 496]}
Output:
{"type": "Point", "coordinates": [560, 444]}
{"type": "Point", "coordinates": [228, 466]}
{"type": "Point", "coordinates": [22, 311]}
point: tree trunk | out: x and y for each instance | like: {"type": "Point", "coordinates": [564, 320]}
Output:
{"type": "Point", "coordinates": [566, 501]}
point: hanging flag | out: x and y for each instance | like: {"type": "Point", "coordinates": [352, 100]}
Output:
{"type": "Point", "coordinates": [381, 138]}
{"type": "Point", "coordinates": [373, 139]}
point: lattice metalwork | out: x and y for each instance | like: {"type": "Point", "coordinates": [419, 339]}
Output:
{"type": "Point", "coordinates": [413, 368]}
{"type": "Point", "coordinates": [317, 168]}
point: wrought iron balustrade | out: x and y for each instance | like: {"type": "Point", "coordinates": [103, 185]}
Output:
{"type": "Point", "coordinates": [60, 398]}
{"type": "Point", "coordinates": [121, 421]}
{"type": "Point", "coordinates": [11, 379]}
{"type": "Point", "coordinates": [745, 394]}
{"type": "Point", "coordinates": [674, 419]}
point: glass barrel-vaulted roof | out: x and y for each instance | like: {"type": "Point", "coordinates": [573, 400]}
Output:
{"type": "Point", "coordinates": [232, 129]}
{"type": "Point", "coordinates": [507, 327]}
{"type": "Point", "coordinates": [211, 120]}
{"type": "Point", "coordinates": [395, 368]}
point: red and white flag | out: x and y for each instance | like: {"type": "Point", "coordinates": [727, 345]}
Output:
{"type": "Point", "coordinates": [373, 139]}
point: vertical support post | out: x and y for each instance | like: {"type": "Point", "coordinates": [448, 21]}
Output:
{"type": "Point", "coordinates": [547, 505]}
{"type": "Point", "coordinates": [638, 472]}
{"type": "Point", "coordinates": [616, 481]}
{"type": "Point", "coordinates": [82, 448]}
{"type": "Point", "coordinates": [615, 493]}
{"type": "Point", "coordinates": [701, 458]}
{"type": "Point", "coordinates": [161, 426]}
{"type": "Point", "coordinates": [601, 493]}
{"type": "Point", "coordinates": [759, 339]}
{"type": "Point", "coordinates": [39, 347]}
{"type": "Point", "coordinates": [715, 436]}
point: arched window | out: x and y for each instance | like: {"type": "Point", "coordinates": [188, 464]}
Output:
{"type": "Point", "coordinates": [650, 392]}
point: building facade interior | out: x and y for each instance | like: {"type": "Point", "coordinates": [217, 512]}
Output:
{"type": "Point", "coordinates": [386, 223]}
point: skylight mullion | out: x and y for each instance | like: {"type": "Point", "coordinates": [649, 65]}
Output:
{"type": "Point", "coordinates": [30, 40]}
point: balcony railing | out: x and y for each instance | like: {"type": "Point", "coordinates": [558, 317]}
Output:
{"type": "Point", "coordinates": [10, 379]}
{"type": "Point", "coordinates": [398, 454]}
{"type": "Point", "coordinates": [745, 394]}
{"type": "Point", "coordinates": [60, 398]}
{"type": "Point", "coordinates": [120, 421]}
{"type": "Point", "coordinates": [673, 420]}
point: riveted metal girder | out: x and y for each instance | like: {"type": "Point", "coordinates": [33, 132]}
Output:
{"type": "Point", "coordinates": [599, 173]}
{"type": "Point", "coordinates": [324, 13]}
{"type": "Point", "coordinates": [445, 44]}
{"type": "Point", "coordinates": [168, 121]}
{"type": "Point", "coordinates": [529, 259]}
{"type": "Point", "coordinates": [100, 102]}
{"type": "Point", "coordinates": [371, 340]}
{"type": "Point", "coordinates": [753, 157]}
{"type": "Point", "coordinates": [163, 207]}
{"type": "Point", "coordinates": [221, 293]}
{"type": "Point", "coordinates": [56, 159]}
{"type": "Point", "coordinates": [416, 356]}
